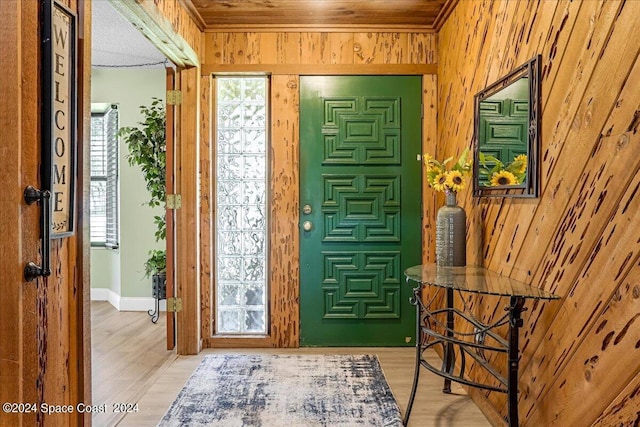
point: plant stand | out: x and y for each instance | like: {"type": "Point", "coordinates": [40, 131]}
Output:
{"type": "Point", "coordinates": [159, 292]}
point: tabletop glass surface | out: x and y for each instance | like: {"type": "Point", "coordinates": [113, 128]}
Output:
{"type": "Point", "coordinates": [474, 279]}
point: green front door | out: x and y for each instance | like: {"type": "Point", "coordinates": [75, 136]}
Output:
{"type": "Point", "coordinates": [360, 226]}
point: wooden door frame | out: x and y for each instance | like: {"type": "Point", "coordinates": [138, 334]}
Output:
{"type": "Point", "coordinates": [187, 218]}
{"type": "Point", "coordinates": [82, 351]}
{"type": "Point", "coordinates": [284, 172]}
{"type": "Point", "coordinates": [151, 21]}
{"type": "Point", "coordinates": [169, 213]}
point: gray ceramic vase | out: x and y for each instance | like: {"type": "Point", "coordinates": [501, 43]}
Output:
{"type": "Point", "coordinates": [451, 239]}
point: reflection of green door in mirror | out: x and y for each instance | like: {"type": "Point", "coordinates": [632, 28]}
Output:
{"type": "Point", "coordinates": [506, 137]}
{"type": "Point", "coordinates": [504, 124]}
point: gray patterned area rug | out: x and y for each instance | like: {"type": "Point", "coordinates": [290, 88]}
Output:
{"type": "Point", "coordinates": [285, 390]}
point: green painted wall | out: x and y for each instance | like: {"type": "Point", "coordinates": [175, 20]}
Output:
{"type": "Point", "coordinates": [121, 270]}
{"type": "Point", "coordinates": [518, 90]}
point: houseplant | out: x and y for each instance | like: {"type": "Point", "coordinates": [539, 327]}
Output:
{"type": "Point", "coordinates": [156, 267]}
{"type": "Point", "coordinates": [449, 181]}
{"type": "Point", "coordinates": [497, 173]}
{"type": "Point", "coordinates": [147, 149]}
{"type": "Point", "coordinates": [451, 218]}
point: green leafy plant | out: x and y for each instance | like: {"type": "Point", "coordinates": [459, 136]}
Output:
{"type": "Point", "coordinates": [147, 144]}
{"type": "Point", "coordinates": [156, 263]}
{"type": "Point", "coordinates": [452, 180]}
{"type": "Point", "coordinates": [496, 173]}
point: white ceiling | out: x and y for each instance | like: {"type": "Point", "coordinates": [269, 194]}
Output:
{"type": "Point", "coordinates": [115, 42]}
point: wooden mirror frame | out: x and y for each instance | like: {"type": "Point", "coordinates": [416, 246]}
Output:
{"type": "Point", "coordinates": [530, 187]}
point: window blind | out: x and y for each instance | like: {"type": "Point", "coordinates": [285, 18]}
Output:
{"type": "Point", "coordinates": [104, 178]}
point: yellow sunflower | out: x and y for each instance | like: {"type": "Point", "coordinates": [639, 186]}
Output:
{"type": "Point", "coordinates": [503, 178]}
{"type": "Point", "coordinates": [455, 181]}
{"type": "Point", "coordinates": [432, 169]}
{"type": "Point", "coordinates": [428, 161]}
{"type": "Point", "coordinates": [440, 181]}
{"type": "Point", "coordinates": [521, 158]}
{"type": "Point", "coordinates": [521, 162]}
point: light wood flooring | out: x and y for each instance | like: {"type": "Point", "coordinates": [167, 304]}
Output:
{"type": "Point", "coordinates": [131, 365]}
{"type": "Point", "coordinates": [127, 351]}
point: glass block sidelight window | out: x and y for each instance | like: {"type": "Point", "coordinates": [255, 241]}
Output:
{"type": "Point", "coordinates": [241, 213]}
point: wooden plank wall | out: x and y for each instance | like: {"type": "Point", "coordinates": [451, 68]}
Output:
{"type": "Point", "coordinates": [303, 49]}
{"type": "Point", "coordinates": [319, 48]}
{"type": "Point", "coordinates": [581, 238]}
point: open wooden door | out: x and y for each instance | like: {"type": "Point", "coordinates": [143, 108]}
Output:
{"type": "Point", "coordinates": [169, 217]}
{"type": "Point", "coordinates": [44, 323]}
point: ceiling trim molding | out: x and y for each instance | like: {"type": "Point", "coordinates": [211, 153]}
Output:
{"type": "Point", "coordinates": [194, 14]}
{"type": "Point", "coordinates": [297, 28]}
{"type": "Point", "coordinates": [446, 11]}
{"type": "Point", "coordinates": [147, 18]}
{"type": "Point", "coordinates": [206, 14]}
{"type": "Point", "coordinates": [320, 69]}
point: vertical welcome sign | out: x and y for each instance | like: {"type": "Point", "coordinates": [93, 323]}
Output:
{"type": "Point", "coordinates": [59, 119]}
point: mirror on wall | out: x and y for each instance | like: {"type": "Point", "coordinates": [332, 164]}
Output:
{"type": "Point", "coordinates": [506, 135]}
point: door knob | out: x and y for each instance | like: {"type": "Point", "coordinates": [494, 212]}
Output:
{"type": "Point", "coordinates": [307, 225]}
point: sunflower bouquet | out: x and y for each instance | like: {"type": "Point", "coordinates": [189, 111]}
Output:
{"type": "Point", "coordinates": [496, 173]}
{"type": "Point", "coordinates": [452, 180]}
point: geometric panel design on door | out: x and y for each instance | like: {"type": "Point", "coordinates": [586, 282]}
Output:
{"type": "Point", "coordinates": [361, 208]}
{"type": "Point", "coordinates": [502, 132]}
{"type": "Point", "coordinates": [505, 137]}
{"type": "Point", "coordinates": [335, 106]}
{"type": "Point", "coordinates": [520, 108]}
{"type": "Point", "coordinates": [491, 108]}
{"type": "Point", "coordinates": [359, 137]}
{"type": "Point", "coordinates": [386, 107]}
{"type": "Point", "coordinates": [361, 285]}
{"type": "Point", "coordinates": [369, 135]}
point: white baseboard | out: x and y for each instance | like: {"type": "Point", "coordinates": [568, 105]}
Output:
{"type": "Point", "coordinates": [139, 303]}
{"type": "Point", "coordinates": [106, 294]}
{"type": "Point", "coordinates": [100, 294]}
{"type": "Point", "coordinates": [125, 303]}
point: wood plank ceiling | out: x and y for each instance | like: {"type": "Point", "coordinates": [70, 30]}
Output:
{"type": "Point", "coordinates": [422, 15]}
